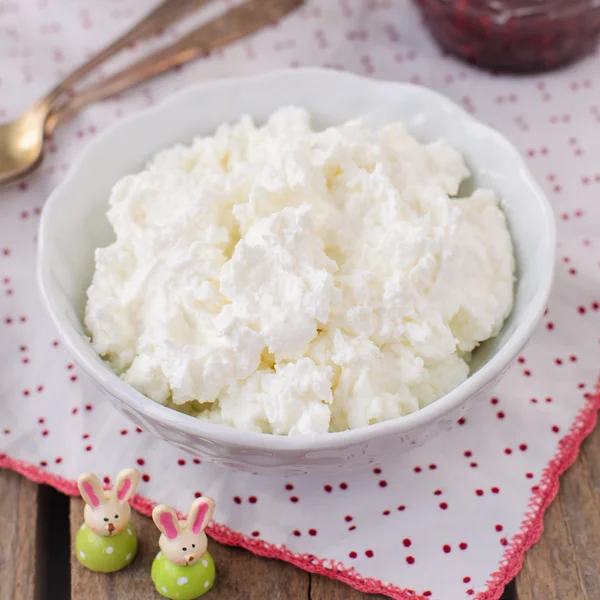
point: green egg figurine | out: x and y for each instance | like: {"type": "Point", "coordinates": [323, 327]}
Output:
{"type": "Point", "coordinates": [183, 569]}
{"type": "Point", "coordinates": [106, 542]}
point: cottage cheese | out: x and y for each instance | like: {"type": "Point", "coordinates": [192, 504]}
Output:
{"type": "Point", "coordinates": [283, 280]}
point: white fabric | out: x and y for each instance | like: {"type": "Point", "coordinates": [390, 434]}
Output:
{"type": "Point", "coordinates": [553, 118]}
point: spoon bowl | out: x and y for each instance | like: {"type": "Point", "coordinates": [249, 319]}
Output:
{"type": "Point", "coordinates": [21, 142]}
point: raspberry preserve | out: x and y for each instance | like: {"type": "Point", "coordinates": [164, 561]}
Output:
{"type": "Point", "coordinates": [514, 35]}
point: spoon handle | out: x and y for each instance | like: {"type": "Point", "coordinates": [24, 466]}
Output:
{"type": "Point", "coordinates": [236, 23]}
{"type": "Point", "coordinates": [161, 16]}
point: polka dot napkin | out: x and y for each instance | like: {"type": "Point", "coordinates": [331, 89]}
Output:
{"type": "Point", "coordinates": [453, 519]}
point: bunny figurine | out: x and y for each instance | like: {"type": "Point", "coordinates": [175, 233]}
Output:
{"type": "Point", "coordinates": [106, 542]}
{"type": "Point", "coordinates": [183, 569]}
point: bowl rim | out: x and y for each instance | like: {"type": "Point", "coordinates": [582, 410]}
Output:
{"type": "Point", "coordinates": [103, 376]}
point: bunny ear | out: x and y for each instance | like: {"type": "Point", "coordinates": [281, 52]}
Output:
{"type": "Point", "coordinates": [201, 512]}
{"type": "Point", "coordinates": [91, 489]}
{"type": "Point", "coordinates": [166, 520]}
{"type": "Point", "coordinates": [127, 481]}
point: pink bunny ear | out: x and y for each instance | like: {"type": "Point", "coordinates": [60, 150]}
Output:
{"type": "Point", "coordinates": [127, 481]}
{"type": "Point", "coordinates": [201, 512]}
{"type": "Point", "coordinates": [91, 489]}
{"type": "Point", "coordinates": [165, 518]}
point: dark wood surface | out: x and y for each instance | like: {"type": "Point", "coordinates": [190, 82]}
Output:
{"type": "Point", "coordinates": [36, 562]}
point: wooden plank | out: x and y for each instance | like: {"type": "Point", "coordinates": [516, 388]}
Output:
{"type": "Point", "coordinates": [564, 564]}
{"type": "Point", "coordinates": [19, 525]}
{"type": "Point", "coordinates": [240, 574]}
{"type": "Point", "coordinates": [324, 588]}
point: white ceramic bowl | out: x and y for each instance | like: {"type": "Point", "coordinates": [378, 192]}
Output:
{"type": "Point", "coordinates": [74, 224]}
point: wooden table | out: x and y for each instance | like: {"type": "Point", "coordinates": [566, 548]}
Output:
{"type": "Point", "coordinates": [37, 525]}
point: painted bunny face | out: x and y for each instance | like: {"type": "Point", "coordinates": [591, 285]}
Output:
{"type": "Point", "coordinates": [184, 542]}
{"type": "Point", "coordinates": [107, 512]}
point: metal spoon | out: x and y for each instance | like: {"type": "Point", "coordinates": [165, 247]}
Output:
{"type": "Point", "coordinates": [21, 140]}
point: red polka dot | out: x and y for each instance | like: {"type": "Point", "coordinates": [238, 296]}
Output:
{"type": "Point", "coordinates": [468, 453]}
{"type": "Point", "coordinates": [461, 421]}
{"type": "Point", "coordinates": [255, 533]}
{"type": "Point", "coordinates": [433, 467]}
{"type": "Point", "coordinates": [527, 373]}
{"type": "Point", "coordinates": [88, 448]}
{"type": "Point", "coordinates": [555, 428]}
{"type": "Point", "coordinates": [479, 492]}
{"type": "Point", "coordinates": [466, 579]}
{"type": "Point", "coordinates": [427, 593]}
{"type": "Point", "coordinates": [41, 420]}
{"type": "Point", "coordinates": [385, 513]}
{"type": "Point", "coordinates": [521, 359]}
{"type": "Point", "coordinates": [347, 518]}
{"type": "Point", "coordinates": [470, 591]}
{"type": "Point", "coordinates": [343, 486]}
{"type": "Point", "coordinates": [463, 545]}
{"type": "Point", "coordinates": [500, 415]}
{"type": "Point", "coordinates": [383, 483]}
{"type": "Point", "coordinates": [45, 432]}
{"type": "Point", "coordinates": [7, 431]}
{"type": "Point", "coordinates": [417, 469]}
{"type": "Point", "coordinates": [85, 436]}
{"type": "Point", "coordinates": [443, 505]}
{"type": "Point", "coordinates": [289, 487]}
{"type": "Point", "coordinates": [55, 343]}
{"type": "Point", "coordinates": [573, 358]}
{"type": "Point", "coordinates": [438, 492]}
{"type": "Point", "coordinates": [352, 554]}
{"type": "Point", "coordinates": [550, 325]}
{"type": "Point", "coordinates": [26, 392]}
{"type": "Point", "coordinates": [40, 388]}
{"type": "Point", "coordinates": [73, 378]}
{"type": "Point", "coordinates": [146, 477]}
{"type": "Point", "coordinates": [495, 490]}
{"type": "Point", "coordinates": [401, 507]}
{"type": "Point", "coordinates": [106, 480]}
{"type": "Point", "coordinates": [529, 475]}
{"type": "Point", "coordinates": [446, 548]}
{"type": "Point", "coordinates": [58, 460]}
{"type": "Point", "coordinates": [252, 499]}
{"type": "Point", "coordinates": [312, 532]}
{"type": "Point", "coordinates": [504, 542]}
{"type": "Point", "coordinates": [297, 533]}
{"type": "Point", "coordinates": [558, 361]}
{"type": "Point", "coordinates": [522, 447]}
{"type": "Point", "coordinates": [499, 528]}
{"type": "Point", "coordinates": [294, 499]}
{"type": "Point", "coordinates": [196, 461]}
{"type": "Point", "coordinates": [494, 401]}
{"type": "Point", "coordinates": [377, 470]}
{"type": "Point", "coordinates": [137, 429]}
{"type": "Point", "coordinates": [43, 463]}
{"type": "Point", "coordinates": [410, 560]}
{"type": "Point", "coordinates": [328, 489]}
{"type": "Point", "coordinates": [197, 494]}
{"type": "Point", "coordinates": [141, 462]}
{"type": "Point", "coordinates": [507, 451]}
{"type": "Point", "coordinates": [124, 432]}
{"type": "Point", "coordinates": [595, 306]}
{"type": "Point", "coordinates": [181, 462]}
{"type": "Point", "coordinates": [581, 310]}
{"type": "Point", "coordinates": [407, 543]}
{"type": "Point", "coordinates": [473, 465]}
{"type": "Point", "coordinates": [533, 400]}
{"type": "Point", "coordinates": [74, 411]}
{"type": "Point", "coordinates": [352, 528]}
{"type": "Point", "coordinates": [237, 499]}
{"type": "Point", "coordinates": [88, 407]}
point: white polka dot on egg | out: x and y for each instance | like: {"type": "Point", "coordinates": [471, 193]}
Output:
{"type": "Point", "coordinates": [182, 581]}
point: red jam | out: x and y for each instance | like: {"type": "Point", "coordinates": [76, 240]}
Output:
{"type": "Point", "coordinates": [514, 35]}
